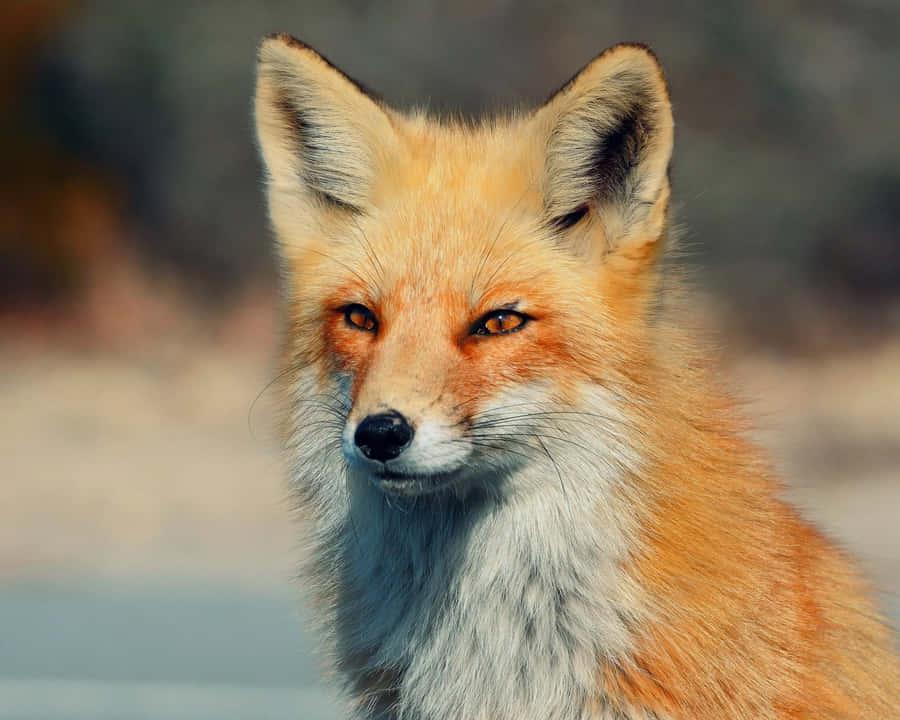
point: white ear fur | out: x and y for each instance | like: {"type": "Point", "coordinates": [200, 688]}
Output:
{"type": "Point", "coordinates": [609, 135]}
{"type": "Point", "coordinates": [320, 134]}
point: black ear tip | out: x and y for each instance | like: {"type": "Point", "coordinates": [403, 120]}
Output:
{"type": "Point", "coordinates": [285, 39]}
{"type": "Point", "coordinates": [640, 56]}
{"type": "Point", "coordinates": [635, 46]}
{"type": "Point", "coordinates": [638, 52]}
{"type": "Point", "coordinates": [271, 49]}
{"type": "Point", "coordinates": [274, 41]}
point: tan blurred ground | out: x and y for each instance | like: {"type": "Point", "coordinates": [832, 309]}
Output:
{"type": "Point", "coordinates": [141, 463]}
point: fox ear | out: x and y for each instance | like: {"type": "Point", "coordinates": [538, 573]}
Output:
{"type": "Point", "coordinates": [608, 135]}
{"type": "Point", "coordinates": [322, 136]}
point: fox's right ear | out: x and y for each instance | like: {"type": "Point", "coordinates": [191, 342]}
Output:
{"type": "Point", "coordinates": [322, 137]}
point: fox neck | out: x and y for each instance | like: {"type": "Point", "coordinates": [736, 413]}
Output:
{"type": "Point", "coordinates": [490, 606]}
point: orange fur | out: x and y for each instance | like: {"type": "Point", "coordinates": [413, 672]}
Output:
{"type": "Point", "coordinates": [754, 613]}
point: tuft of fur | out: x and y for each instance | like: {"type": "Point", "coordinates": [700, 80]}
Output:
{"type": "Point", "coordinates": [583, 531]}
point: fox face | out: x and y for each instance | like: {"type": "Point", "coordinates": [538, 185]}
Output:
{"type": "Point", "coordinates": [460, 297]}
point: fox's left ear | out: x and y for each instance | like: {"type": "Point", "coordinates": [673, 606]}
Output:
{"type": "Point", "coordinates": [608, 136]}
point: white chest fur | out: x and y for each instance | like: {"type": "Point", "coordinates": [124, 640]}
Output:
{"type": "Point", "coordinates": [483, 610]}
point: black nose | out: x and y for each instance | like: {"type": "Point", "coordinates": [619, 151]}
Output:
{"type": "Point", "coordinates": [384, 436]}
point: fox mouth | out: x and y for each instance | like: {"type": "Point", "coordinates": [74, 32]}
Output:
{"type": "Point", "coordinates": [410, 484]}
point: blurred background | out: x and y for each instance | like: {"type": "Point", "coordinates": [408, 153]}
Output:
{"type": "Point", "coordinates": [146, 551]}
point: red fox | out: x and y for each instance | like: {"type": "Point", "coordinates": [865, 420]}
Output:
{"type": "Point", "coordinates": [526, 495]}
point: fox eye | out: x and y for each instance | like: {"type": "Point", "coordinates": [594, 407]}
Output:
{"type": "Point", "coordinates": [500, 322]}
{"type": "Point", "coordinates": [359, 316]}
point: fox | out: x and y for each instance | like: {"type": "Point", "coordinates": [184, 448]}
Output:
{"type": "Point", "coordinates": [524, 491]}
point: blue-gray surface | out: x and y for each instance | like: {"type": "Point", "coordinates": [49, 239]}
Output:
{"type": "Point", "coordinates": [114, 652]}
{"type": "Point", "coordinates": [110, 651]}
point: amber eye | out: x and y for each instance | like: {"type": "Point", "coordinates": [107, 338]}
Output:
{"type": "Point", "coordinates": [500, 322]}
{"type": "Point", "coordinates": [359, 316]}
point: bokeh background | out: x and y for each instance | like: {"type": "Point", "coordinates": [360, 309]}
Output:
{"type": "Point", "coordinates": [146, 551]}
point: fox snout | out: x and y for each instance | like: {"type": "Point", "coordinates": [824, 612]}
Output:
{"type": "Point", "coordinates": [405, 450]}
{"type": "Point", "coordinates": [388, 442]}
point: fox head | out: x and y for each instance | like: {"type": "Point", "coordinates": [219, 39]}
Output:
{"type": "Point", "coordinates": [463, 298]}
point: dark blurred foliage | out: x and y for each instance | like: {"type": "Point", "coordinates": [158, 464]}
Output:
{"type": "Point", "coordinates": [128, 124]}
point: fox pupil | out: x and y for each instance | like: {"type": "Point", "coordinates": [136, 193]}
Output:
{"type": "Point", "coordinates": [495, 324]}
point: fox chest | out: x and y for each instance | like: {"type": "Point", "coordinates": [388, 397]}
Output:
{"type": "Point", "coordinates": [494, 638]}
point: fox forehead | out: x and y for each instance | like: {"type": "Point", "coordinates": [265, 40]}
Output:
{"type": "Point", "coordinates": [492, 162]}
{"type": "Point", "coordinates": [458, 215]}
{"type": "Point", "coordinates": [452, 190]}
